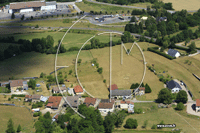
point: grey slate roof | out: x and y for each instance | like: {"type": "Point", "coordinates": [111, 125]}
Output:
{"type": "Point", "coordinates": [173, 84]}
{"type": "Point", "coordinates": [121, 92]}
{"type": "Point", "coordinates": [172, 52]}
{"type": "Point", "coordinates": [51, 3]}
{"type": "Point", "coordinates": [73, 101]}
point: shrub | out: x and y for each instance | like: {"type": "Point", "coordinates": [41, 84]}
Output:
{"type": "Point", "coordinates": [104, 80]}
{"type": "Point", "coordinates": [100, 70]}
{"type": "Point", "coordinates": [131, 123]}
{"type": "Point", "coordinates": [180, 106]}
{"type": "Point", "coordinates": [9, 99]}
{"type": "Point", "coordinates": [138, 111]}
{"type": "Point", "coordinates": [154, 126]}
{"type": "Point", "coordinates": [35, 114]}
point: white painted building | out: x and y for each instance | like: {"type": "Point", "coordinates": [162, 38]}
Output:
{"type": "Point", "coordinates": [106, 107]}
{"type": "Point", "coordinates": [173, 86]}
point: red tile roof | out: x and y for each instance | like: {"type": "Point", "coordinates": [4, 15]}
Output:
{"type": "Point", "coordinates": [89, 101]}
{"type": "Point", "coordinates": [56, 117]}
{"type": "Point", "coordinates": [105, 105]}
{"type": "Point", "coordinates": [126, 102]}
{"type": "Point", "coordinates": [28, 96]}
{"type": "Point", "coordinates": [16, 83]}
{"type": "Point", "coordinates": [142, 88]}
{"type": "Point", "coordinates": [78, 89]}
{"type": "Point", "coordinates": [21, 5]}
{"type": "Point", "coordinates": [114, 87]}
{"type": "Point", "coordinates": [54, 101]}
{"type": "Point", "coordinates": [198, 102]}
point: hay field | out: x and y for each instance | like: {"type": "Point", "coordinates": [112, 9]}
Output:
{"type": "Point", "coordinates": [168, 115]}
{"type": "Point", "coordinates": [184, 4]}
{"type": "Point", "coordinates": [19, 115]}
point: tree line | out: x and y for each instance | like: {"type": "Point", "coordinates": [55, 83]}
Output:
{"type": "Point", "coordinates": [43, 45]}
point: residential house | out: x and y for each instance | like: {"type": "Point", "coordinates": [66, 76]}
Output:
{"type": "Point", "coordinates": [56, 89]}
{"type": "Point", "coordinates": [15, 85]}
{"type": "Point", "coordinates": [106, 107]}
{"type": "Point", "coordinates": [28, 98]}
{"type": "Point", "coordinates": [173, 53]}
{"type": "Point", "coordinates": [173, 86]}
{"type": "Point", "coordinates": [197, 105]}
{"type": "Point", "coordinates": [36, 98]}
{"type": "Point", "coordinates": [126, 94]}
{"type": "Point", "coordinates": [3, 84]}
{"type": "Point", "coordinates": [141, 91]}
{"type": "Point", "coordinates": [89, 101]}
{"type": "Point", "coordinates": [54, 102]}
{"type": "Point", "coordinates": [66, 123]}
{"type": "Point", "coordinates": [159, 19]}
{"type": "Point", "coordinates": [113, 87]}
{"type": "Point", "coordinates": [44, 99]}
{"type": "Point", "coordinates": [127, 105]}
{"type": "Point", "coordinates": [78, 90]}
{"type": "Point", "coordinates": [73, 101]}
{"type": "Point", "coordinates": [55, 117]}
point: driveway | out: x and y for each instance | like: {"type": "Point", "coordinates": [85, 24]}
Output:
{"type": "Point", "coordinates": [191, 108]}
{"type": "Point", "coordinates": [185, 89]}
{"type": "Point", "coordinates": [49, 110]}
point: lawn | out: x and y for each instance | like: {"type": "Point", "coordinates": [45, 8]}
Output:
{"type": "Point", "coordinates": [184, 4]}
{"type": "Point", "coordinates": [168, 115]}
{"type": "Point", "coordinates": [89, 6]}
{"type": "Point", "coordinates": [70, 40]}
{"type": "Point", "coordinates": [32, 64]}
{"type": "Point", "coordinates": [19, 115]}
{"type": "Point", "coordinates": [197, 42]}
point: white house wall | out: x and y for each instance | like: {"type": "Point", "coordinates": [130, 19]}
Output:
{"type": "Point", "coordinates": [175, 90]}
{"type": "Point", "coordinates": [26, 10]}
{"type": "Point", "coordinates": [177, 54]}
{"type": "Point", "coordinates": [123, 106]}
{"type": "Point", "coordinates": [10, 11]}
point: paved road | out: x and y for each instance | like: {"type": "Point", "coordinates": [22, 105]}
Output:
{"type": "Point", "coordinates": [134, 7]}
{"type": "Point", "coordinates": [136, 35]}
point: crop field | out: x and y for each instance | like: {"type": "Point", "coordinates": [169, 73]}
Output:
{"type": "Point", "coordinates": [19, 115]}
{"type": "Point", "coordinates": [190, 5]}
{"type": "Point", "coordinates": [168, 115]}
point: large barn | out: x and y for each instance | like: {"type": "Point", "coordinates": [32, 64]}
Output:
{"type": "Point", "coordinates": [31, 6]}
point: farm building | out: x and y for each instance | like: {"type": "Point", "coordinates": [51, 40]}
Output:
{"type": "Point", "coordinates": [15, 85]}
{"type": "Point", "coordinates": [126, 94]}
{"type": "Point", "coordinates": [173, 53]}
{"type": "Point", "coordinates": [113, 87]}
{"type": "Point", "coordinates": [31, 6]}
{"type": "Point", "coordinates": [197, 105]}
{"type": "Point", "coordinates": [173, 86]}
{"type": "Point", "coordinates": [141, 91]}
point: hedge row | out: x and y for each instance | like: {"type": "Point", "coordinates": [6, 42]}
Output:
{"type": "Point", "coordinates": [14, 95]}
{"type": "Point", "coordinates": [161, 53]}
{"type": "Point", "coordinates": [181, 48]}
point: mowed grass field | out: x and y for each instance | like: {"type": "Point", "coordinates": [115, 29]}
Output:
{"type": "Point", "coordinates": [19, 115]}
{"type": "Point", "coordinates": [70, 40]}
{"type": "Point", "coordinates": [184, 4]}
{"type": "Point", "coordinates": [168, 115]}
